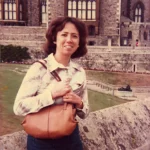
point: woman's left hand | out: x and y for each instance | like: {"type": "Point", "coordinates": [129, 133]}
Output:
{"type": "Point", "coordinates": [71, 97]}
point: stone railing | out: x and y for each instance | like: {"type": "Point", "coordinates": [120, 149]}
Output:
{"type": "Point", "coordinates": [119, 49]}
{"type": "Point", "coordinates": [123, 127]}
{"type": "Point", "coordinates": [98, 86]}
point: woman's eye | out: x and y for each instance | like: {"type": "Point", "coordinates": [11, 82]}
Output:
{"type": "Point", "coordinates": [64, 34]}
{"type": "Point", "coordinates": [75, 36]}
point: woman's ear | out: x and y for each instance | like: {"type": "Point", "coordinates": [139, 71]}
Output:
{"type": "Point", "coordinates": [54, 42]}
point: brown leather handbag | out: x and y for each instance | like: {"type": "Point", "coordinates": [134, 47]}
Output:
{"type": "Point", "coordinates": [54, 121]}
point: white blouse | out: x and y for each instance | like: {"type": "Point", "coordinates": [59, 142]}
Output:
{"type": "Point", "coordinates": [34, 92]}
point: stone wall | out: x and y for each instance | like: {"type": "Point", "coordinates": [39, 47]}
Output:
{"type": "Point", "coordinates": [146, 9]}
{"type": "Point", "coordinates": [123, 127]}
{"type": "Point", "coordinates": [33, 12]}
{"type": "Point", "coordinates": [31, 37]}
{"type": "Point", "coordinates": [117, 59]}
{"type": "Point", "coordinates": [109, 17]}
{"type": "Point", "coordinates": [124, 7]}
{"type": "Point", "coordinates": [137, 33]}
{"type": "Point", "coordinates": [55, 9]}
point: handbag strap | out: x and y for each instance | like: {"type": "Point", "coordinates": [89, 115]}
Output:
{"type": "Point", "coordinates": [53, 73]}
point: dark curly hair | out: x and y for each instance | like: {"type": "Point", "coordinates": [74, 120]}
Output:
{"type": "Point", "coordinates": [57, 25]}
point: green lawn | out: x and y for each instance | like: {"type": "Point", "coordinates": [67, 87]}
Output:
{"type": "Point", "coordinates": [99, 100]}
{"type": "Point", "coordinates": [9, 85]}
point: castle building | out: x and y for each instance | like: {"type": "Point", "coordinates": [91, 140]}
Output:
{"type": "Point", "coordinates": [109, 22]}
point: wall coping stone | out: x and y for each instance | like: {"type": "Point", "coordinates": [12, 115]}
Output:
{"type": "Point", "coordinates": [122, 127]}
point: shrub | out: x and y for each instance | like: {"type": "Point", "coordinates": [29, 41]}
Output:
{"type": "Point", "coordinates": [10, 53]}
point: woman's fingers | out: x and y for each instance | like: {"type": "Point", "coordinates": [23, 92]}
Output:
{"type": "Point", "coordinates": [68, 88]}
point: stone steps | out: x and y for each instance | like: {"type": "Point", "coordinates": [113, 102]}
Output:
{"type": "Point", "coordinates": [22, 30]}
{"type": "Point", "coordinates": [29, 44]}
{"type": "Point", "coordinates": [24, 37]}
{"type": "Point", "coordinates": [31, 37]}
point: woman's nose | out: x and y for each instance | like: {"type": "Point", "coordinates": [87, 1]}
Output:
{"type": "Point", "coordinates": [69, 38]}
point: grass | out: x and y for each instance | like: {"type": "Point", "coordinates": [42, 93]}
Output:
{"type": "Point", "coordinates": [99, 100]}
{"type": "Point", "coordinates": [9, 84]}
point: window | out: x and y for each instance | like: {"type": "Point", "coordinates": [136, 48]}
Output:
{"type": "Point", "coordinates": [91, 43]}
{"type": "Point", "coordinates": [138, 17]}
{"type": "Point", "coordinates": [125, 42]}
{"type": "Point", "coordinates": [129, 34]}
{"type": "Point", "coordinates": [43, 11]}
{"type": "Point", "coordinates": [20, 11]}
{"type": "Point", "coordinates": [82, 9]}
{"type": "Point", "coordinates": [91, 30]}
{"type": "Point", "coordinates": [145, 35]}
{"type": "Point", "coordinates": [11, 10]}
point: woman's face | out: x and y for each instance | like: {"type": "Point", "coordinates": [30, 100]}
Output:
{"type": "Point", "coordinates": [67, 40]}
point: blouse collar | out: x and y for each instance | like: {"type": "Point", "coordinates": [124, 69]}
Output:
{"type": "Point", "coordinates": [52, 64]}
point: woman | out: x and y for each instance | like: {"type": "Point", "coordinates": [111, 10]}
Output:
{"type": "Point", "coordinates": [66, 39]}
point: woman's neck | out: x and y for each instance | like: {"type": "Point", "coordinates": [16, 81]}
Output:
{"type": "Point", "coordinates": [62, 59]}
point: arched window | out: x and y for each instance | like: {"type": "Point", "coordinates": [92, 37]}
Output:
{"type": "Point", "coordinates": [129, 34]}
{"type": "Point", "coordinates": [82, 9]}
{"type": "Point", "coordinates": [43, 6]}
{"type": "Point", "coordinates": [139, 13]}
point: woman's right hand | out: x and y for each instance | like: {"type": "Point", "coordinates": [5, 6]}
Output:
{"type": "Point", "coordinates": [60, 89]}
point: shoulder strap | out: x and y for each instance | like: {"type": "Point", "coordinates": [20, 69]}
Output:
{"type": "Point", "coordinates": [53, 73]}
{"type": "Point", "coordinates": [41, 63]}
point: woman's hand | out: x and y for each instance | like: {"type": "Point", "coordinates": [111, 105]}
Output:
{"type": "Point", "coordinates": [73, 98]}
{"type": "Point", "coordinates": [60, 89]}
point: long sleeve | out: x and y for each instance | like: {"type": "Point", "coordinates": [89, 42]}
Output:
{"type": "Point", "coordinates": [35, 90]}
{"type": "Point", "coordinates": [83, 113]}
{"type": "Point", "coordinates": [27, 99]}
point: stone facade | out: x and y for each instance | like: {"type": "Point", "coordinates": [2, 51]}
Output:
{"type": "Point", "coordinates": [146, 4]}
{"type": "Point", "coordinates": [109, 19]}
{"type": "Point", "coordinates": [113, 24]}
{"type": "Point", "coordinates": [140, 31]}
{"type": "Point", "coordinates": [55, 9]}
{"type": "Point", "coordinates": [117, 59]}
{"type": "Point", "coordinates": [108, 24]}
{"type": "Point", "coordinates": [130, 59]}
{"type": "Point", "coordinates": [33, 13]}
{"type": "Point", "coordinates": [31, 37]}
{"type": "Point", "coordinates": [114, 19]}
